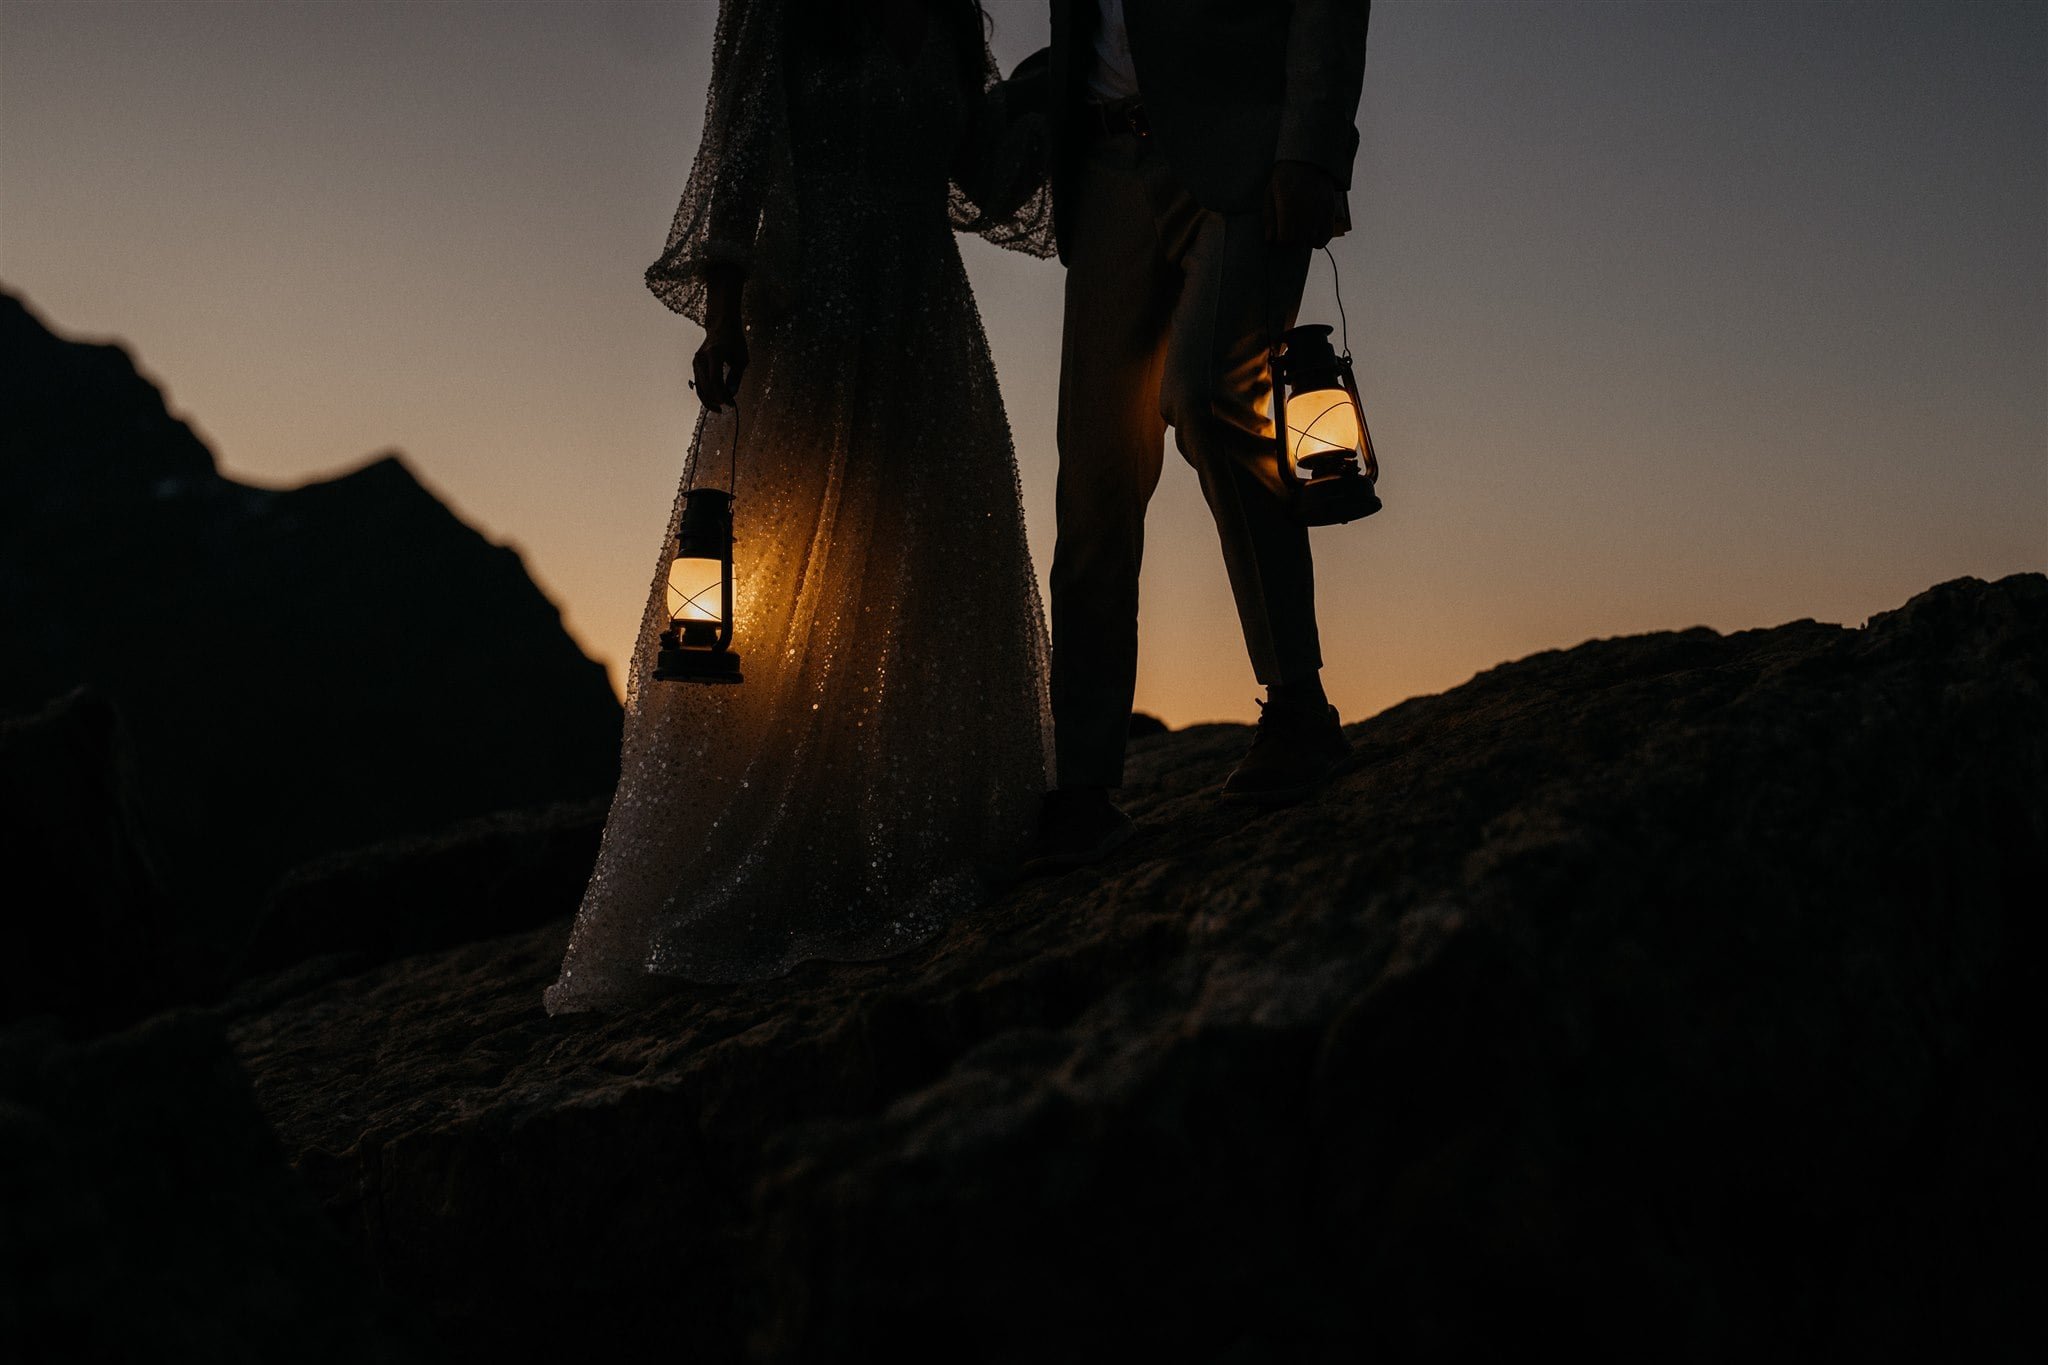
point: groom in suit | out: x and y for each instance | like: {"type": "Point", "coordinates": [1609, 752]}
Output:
{"type": "Point", "coordinates": [1201, 150]}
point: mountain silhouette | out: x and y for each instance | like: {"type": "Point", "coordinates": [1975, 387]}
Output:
{"type": "Point", "coordinates": [298, 671]}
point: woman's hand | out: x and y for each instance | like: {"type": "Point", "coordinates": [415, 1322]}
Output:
{"type": "Point", "coordinates": [719, 363]}
{"type": "Point", "coordinates": [722, 359]}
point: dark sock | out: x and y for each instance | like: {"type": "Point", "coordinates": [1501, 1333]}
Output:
{"type": "Point", "coordinates": [1305, 692]}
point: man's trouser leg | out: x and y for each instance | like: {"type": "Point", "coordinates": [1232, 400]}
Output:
{"type": "Point", "coordinates": [1120, 292]}
{"type": "Point", "coordinates": [1238, 294]}
{"type": "Point", "coordinates": [1171, 311]}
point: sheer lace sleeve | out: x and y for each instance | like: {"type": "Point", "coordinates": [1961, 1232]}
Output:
{"type": "Point", "coordinates": [740, 199]}
{"type": "Point", "coordinates": [1000, 187]}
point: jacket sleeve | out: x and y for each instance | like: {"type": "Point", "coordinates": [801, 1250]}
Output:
{"type": "Point", "coordinates": [1325, 74]}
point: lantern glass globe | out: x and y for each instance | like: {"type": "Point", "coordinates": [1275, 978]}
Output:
{"type": "Point", "coordinates": [694, 588]}
{"type": "Point", "coordinates": [1321, 422]}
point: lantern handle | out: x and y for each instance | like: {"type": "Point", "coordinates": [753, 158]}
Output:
{"type": "Point", "coordinates": [733, 478]}
{"type": "Point", "coordinates": [1337, 288]}
{"type": "Point", "coordinates": [1372, 459]}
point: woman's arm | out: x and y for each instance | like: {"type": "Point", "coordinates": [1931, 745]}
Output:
{"type": "Point", "coordinates": [741, 179]}
{"type": "Point", "coordinates": [999, 168]}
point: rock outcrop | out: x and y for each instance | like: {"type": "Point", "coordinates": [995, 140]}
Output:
{"type": "Point", "coordinates": [479, 879]}
{"type": "Point", "coordinates": [299, 671]}
{"type": "Point", "coordinates": [93, 939]}
{"type": "Point", "coordinates": [147, 1214]}
{"type": "Point", "coordinates": [1662, 998]}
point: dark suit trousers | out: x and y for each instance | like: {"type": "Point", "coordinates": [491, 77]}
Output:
{"type": "Point", "coordinates": [1171, 312]}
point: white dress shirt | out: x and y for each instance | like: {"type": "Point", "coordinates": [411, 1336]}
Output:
{"type": "Point", "coordinates": [1112, 77]}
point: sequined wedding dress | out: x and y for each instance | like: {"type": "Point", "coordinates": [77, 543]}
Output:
{"type": "Point", "coordinates": [883, 760]}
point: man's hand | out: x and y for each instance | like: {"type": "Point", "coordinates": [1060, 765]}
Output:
{"type": "Point", "coordinates": [1301, 205]}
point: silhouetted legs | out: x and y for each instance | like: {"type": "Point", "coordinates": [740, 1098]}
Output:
{"type": "Point", "coordinates": [1171, 311]}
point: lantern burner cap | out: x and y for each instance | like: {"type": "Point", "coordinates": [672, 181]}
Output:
{"type": "Point", "coordinates": [1308, 361]}
{"type": "Point", "coordinates": [706, 528]}
{"type": "Point", "coordinates": [1309, 341]}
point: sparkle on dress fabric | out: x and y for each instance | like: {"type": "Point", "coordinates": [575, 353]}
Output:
{"type": "Point", "coordinates": [884, 757]}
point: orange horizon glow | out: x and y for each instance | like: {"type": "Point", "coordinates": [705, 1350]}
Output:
{"type": "Point", "coordinates": [1664, 316]}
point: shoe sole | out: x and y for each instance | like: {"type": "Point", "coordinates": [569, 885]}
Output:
{"type": "Point", "coordinates": [1066, 862]}
{"type": "Point", "coordinates": [1287, 796]}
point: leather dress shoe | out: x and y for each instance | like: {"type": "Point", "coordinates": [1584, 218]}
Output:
{"type": "Point", "coordinates": [1297, 749]}
{"type": "Point", "coordinates": [1076, 827]}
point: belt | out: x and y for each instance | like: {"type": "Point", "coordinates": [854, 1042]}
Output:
{"type": "Point", "coordinates": [1124, 116]}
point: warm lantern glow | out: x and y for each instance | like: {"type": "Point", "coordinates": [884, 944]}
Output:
{"type": "Point", "coordinates": [1323, 447]}
{"type": "Point", "coordinates": [695, 588]}
{"type": "Point", "coordinates": [1321, 422]}
{"type": "Point", "coordinates": [697, 646]}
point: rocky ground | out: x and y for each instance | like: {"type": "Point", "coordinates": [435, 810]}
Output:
{"type": "Point", "coordinates": [1662, 998]}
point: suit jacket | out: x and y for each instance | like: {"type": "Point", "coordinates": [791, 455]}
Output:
{"type": "Point", "coordinates": [1229, 87]}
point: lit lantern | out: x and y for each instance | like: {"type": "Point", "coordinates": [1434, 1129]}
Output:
{"type": "Point", "coordinates": [1319, 425]}
{"type": "Point", "coordinates": [697, 646]}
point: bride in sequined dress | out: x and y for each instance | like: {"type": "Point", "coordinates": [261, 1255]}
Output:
{"type": "Point", "coordinates": [881, 766]}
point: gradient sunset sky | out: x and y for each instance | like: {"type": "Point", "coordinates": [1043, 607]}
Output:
{"type": "Point", "coordinates": [1666, 313]}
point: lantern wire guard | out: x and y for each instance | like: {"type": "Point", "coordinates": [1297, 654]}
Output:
{"type": "Point", "coordinates": [697, 646]}
{"type": "Point", "coordinates": [1344, 471]}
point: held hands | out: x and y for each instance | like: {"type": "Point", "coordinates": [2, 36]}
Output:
{"type": "Point", "coordinates": [1303, 206]}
